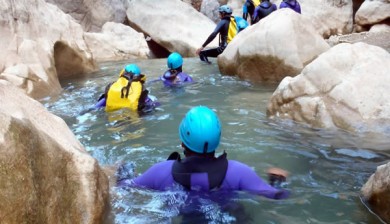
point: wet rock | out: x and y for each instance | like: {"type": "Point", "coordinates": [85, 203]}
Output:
{"type": "Point", "coordinates": [183, 29]}
{"type": "Point", "coordinates": [46, 174]}
{"type": "Point", "coordinates": [345, 87]}
{"type": "Point", "coordinates": [376, 192]}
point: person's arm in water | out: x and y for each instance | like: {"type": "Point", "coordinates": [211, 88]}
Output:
{"type": "Point", "coordinates": [157, 177]}
{"type": "Point", "coordinates": [242, 177]}
{"type": "Point", "coordinates": [212, 35]}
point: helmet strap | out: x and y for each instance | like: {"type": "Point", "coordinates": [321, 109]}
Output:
{"type": "Point", "coordinates": [205, 147]}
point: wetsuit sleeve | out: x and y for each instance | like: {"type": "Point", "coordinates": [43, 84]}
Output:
{"type": "Point", "coordinates": [241, 177]}
{"type": "Point", "coordinates": [283, 5]}
{"type": "Point", "coordinates": [298, 8]}
{"type": "Point", "coordinates": [186, 77]}
{"type": "Point", "coordinates": [157, 177]}
{"type": "Point", "coordinates": [214, 33]}
{"type": "Point", "coordinates": [255, 15]}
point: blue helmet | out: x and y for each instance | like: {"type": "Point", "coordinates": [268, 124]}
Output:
{"type": "Point", "coordinates": [174, 60]}
{"type": "Point", "coordinates": [225, 9]}
{"type": "Point", "coordinates": [200, 130]}
{"type": "Point", "coordinates": [133, 68]}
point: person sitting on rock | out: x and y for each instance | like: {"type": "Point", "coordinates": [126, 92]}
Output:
{"type": "Point", "coordinates": [222, 29]}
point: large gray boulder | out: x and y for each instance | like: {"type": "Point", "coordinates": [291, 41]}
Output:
{"type": "Point", "coordinates": [93, 14]}
{"type": "Point", "coordinates": [46, 174]}
{"type": "Point", "coordinates": [273, 48]}
{"type": "Point", "coordinates": [172, 24]}
{"type": "Point", "coordinates": [346, 87]}
{"type": "Point", "coordinates": [40, 44]}
{"type": "Point", "coordinates": [117, 42]}
{"type": "Point", "coordinates": [373, 12]}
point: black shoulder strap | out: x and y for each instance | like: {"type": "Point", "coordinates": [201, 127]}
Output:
{"type": "Point", "coordinates": [214, 167]}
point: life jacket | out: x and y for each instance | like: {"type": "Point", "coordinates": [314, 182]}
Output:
{"type": "Point", "coordinates": [214, 167]}
{"type": "Point", "coordinates": [256, 2]}
{"type": "Point", "coordinates": [123, 93]}
{"type": "Point", "coordinates": [235, 26]}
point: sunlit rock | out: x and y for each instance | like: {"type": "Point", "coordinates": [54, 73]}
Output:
{"type": "Point", "coordinates": [210, 9]}
{"type": "Point", "coordinates": [378, 28]}
{"type": "Point", "coordinates": [117, 42]}
{"type": "Point", "coordinates": [172, 24]}
{"type": "Point", "coordinates": [328, 17]}
{"type": "Point", "coordinates": [373, 12]}
{"type": "Point", "coordinates": [236, 5]}
{"type": "Point", "coordinates": [273, 48]}
{"type": "Point", "coordinates": [346, 87]}
{"type": "Point", "coordinates": [46, 174]}
{"type": "Point", "coordinates": [92, 14]}
{"type": "Point", "coordinates": [376, 192]}
{"type": "Point", "coordinates": [29, 32]}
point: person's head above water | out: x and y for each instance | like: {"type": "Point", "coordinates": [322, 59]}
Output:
{"type": "Point", "coordinates": [225, 9]}
{"type": "Point", "coordinates": [200, 130]}
{"type": "Point", "coordinates": [174, 61]}
{"type": "Point", "coordinates": [131, 70]}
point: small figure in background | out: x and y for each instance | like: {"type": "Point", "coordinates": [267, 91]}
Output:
{"type": "Point", "coordinates": [227, 28]}
{"type": "Point", "coordinates": [264, 9]}
{"type": "Point", "coordinates": [249, 9]}
{"type": "Point", "coordinates": [292, 4]}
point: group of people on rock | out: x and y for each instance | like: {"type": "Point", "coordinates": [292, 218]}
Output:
{"type": "Point", "coordinates": [229, 25]}
{"type": "Point", "coordinates": [257, 9]}
{"type": "Point", "coordinates": [199, 132]}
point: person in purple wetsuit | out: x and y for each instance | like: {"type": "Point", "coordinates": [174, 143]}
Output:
{"type": "Point", "coordinates": [292, 4]}
{"type": "Point", "coordinates": [264, 9]}
{"type": "Point", "coordinates": [200, 170]}
{"type": "Point", "coordinates": [175, 76]}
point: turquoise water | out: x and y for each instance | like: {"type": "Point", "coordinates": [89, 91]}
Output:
{"type": "Point", "coordinates": [327, 168]}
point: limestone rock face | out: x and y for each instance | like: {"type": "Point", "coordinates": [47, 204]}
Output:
{"type": "Point", "coordinates": [346, 87]}
{"type": "Point", "coordinates": [117, 42]}
{"type": "Point", "coordinates": [46, 174]}
{"type": "Point", "coordinates": [273, 48]}
{"type": "Point", "coordinates": [373, 12]}
{"type": "Point", "coordinates": [172, 24]}
{"type": "Point", "coordinates": [37, 40]}
{"type": "Point", "coordinates": [329, 17]}
{"type": "Point", "coordinates": [376, 192]}
{"type": "Point", "coordinates": [93, 14]}
{"type": "Point", "coordinates": [210, 9]}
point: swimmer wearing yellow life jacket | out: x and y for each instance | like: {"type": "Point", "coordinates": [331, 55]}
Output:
{"type": "Point", "coordinates": [227, 28]}
{"type": "Point", "coordinates": [128, 91]}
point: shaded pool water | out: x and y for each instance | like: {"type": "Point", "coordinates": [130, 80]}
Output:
{"type": "Point", "coordinates": [327, 168]}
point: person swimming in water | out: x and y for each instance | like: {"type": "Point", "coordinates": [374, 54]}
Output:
{"type": "Point", "coordinates": [128, 91]}
{"type": "Point", "coordinates": [175, 76]}
{"type": "Point", "coordinates": [200, 169]}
